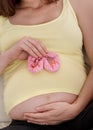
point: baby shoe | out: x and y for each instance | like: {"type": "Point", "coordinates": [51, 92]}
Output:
{"type": "Point", "coordinates": [51, 62]}
{"type": "Point", "coordinates": [35, 64]}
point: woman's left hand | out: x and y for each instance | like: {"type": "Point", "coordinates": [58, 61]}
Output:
{"type": "Point", "coordinates": [52, 114]}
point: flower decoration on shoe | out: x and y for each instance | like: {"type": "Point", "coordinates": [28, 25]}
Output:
{"type": "Point", "coordinates": [35, 64]}
{"type": "Point", "coordinates": [51, 62]}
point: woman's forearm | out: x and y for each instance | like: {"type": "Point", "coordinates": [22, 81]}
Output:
{"type": "Point", "coordinates": [4, 61]}
{"type": "Point", "coordinates": [86, 93]}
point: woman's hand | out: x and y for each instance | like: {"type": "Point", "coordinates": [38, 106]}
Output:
{"type": "Point", "coordinates": [24, 47]}
{"type": "Point", "coordinates": [52, 114]}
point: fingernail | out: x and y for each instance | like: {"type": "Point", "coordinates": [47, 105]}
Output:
{"type": "Point", "coordinates": [46, 51]}
{"type": "Point", "coordinates": [28, 121]}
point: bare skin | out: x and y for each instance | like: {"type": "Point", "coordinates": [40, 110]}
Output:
{"type": "Point", "coordinates": [51, 110]}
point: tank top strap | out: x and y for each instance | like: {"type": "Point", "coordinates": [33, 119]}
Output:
{"type": "Point", "coordinates": [69, 9]}
{"type": "Point", "coordinates": [65, 3]}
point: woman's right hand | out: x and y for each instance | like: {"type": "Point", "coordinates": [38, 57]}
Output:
{"type": "Point", "coordinates": [24, 47]}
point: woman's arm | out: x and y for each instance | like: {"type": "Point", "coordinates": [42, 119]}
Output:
{"type": "Point", "coordinates": [20, 50]}
{"type": "Point", "coordinates": [85, 17]}
{"type": "Point", "coordinates": [4, 62]}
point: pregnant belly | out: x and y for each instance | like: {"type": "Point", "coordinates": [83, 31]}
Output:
{"type": "Point", "coordinates": [30, 105]}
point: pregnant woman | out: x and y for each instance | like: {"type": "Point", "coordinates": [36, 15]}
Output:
{"type": "Point", "coordinates": [45, 79]}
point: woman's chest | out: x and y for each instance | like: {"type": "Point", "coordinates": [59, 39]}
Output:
{"type": "Point", "coordinates": [55, 35]}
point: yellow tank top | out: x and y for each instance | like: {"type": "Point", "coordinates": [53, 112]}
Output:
{"type": "Point", "coordinates": [61, 35]}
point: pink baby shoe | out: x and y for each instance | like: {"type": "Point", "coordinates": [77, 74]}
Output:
{"type": "Point", "coordinates": [51, 62]}
{"type": "Point", "coordinates": [35, 64]}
